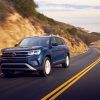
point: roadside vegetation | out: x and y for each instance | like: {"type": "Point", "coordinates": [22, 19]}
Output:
{"type": "Point", "coordinates": [27, 11]}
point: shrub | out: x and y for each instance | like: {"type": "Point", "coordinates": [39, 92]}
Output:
{"type": "Point", "coordinates": [25, 7]}
{"type": "Point", "coordinates": [48, 29]}
{"type": "Point", "coordinates": [4, 10]}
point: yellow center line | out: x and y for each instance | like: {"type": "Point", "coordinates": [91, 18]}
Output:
{"type": "Point", "coordinates": [67, 82]}
{"type": "Point", "coordinates": [74, 81]}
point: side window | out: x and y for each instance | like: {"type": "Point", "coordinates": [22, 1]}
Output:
{"type": "Point", "coordinates": [53, 40]}
{"type": "Point", "coordinates": [63, 42]}
{"type": "Point", "coordinates": [59, 41]}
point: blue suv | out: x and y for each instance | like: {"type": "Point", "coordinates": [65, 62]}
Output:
{"type": "Point", "coordinates": [38, 53]}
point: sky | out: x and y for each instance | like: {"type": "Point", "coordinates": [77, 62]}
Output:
{"type": "Point", "coordinates": [80, 13]}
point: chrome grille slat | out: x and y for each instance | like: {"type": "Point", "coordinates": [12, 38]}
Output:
{"type": "Point", "coordinates": [17, 54]}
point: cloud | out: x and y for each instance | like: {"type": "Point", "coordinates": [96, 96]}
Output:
{"type": "Point", "coordinates": [66, 5]}
{"type": "Point", "coordinates": [82, 8]}
{"type": "Point", "coordinates": [78, 2]}
{"type": "Point", "coordinates": [74, 12]}
{"type": "Point", "coordinates": [63, 5]}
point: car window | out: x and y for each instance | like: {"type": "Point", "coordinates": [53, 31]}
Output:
{"type": "Point", "coordinates": [59, 41]}
{"type": "Point", "coordinates": [34, 41]}
{"type": "Point", "coordinates": [63, 42]}
{"type": "Point", "coordinates": [53, 40]}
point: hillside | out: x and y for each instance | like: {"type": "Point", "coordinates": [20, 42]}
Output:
{"type": "Point", "coordinates": [19, 19]}
{"type": "Point", "coordinates": [95, 33]}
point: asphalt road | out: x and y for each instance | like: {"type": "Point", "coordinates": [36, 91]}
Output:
{"type": "Point", "coordinates": [86, 86]}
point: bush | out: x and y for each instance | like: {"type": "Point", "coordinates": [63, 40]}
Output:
{"type": "Point", "coordinates": [51, 21]}
{"type": "Point", "coordinates": [4, 10]}
{"type": "Point", "coordinates": [72, 31]}
{"type": "Point", "coordinates": [41, 17]}
{"type": "Point", "coordinates": [45, 19]}
{"type": "Point", "coordinates": [25, 7]}
{"type": "Point", "coordinates": [48, 29]}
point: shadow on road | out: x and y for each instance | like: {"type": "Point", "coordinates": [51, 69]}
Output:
{"type": "Point", "coordinates": [29, 74]}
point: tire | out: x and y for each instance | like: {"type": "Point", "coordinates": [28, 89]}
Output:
{"type": "Point", "coordinates": [46, 67]}
{"type": "Point", "coordinates": [66, 64]}
{"type": "Point", "coordinates": [7, 73]}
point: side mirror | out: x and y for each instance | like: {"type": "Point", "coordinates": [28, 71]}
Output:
{"type": "Point", "coordinates": [54, 44]}
{"type": "Point", "coordinates": [15, 45]}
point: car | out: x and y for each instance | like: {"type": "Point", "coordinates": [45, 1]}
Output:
{"type": "Point", "coordinates": [37, 53]}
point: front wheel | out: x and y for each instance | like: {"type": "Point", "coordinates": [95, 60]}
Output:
{"type": "Point", "coordinates": [66, 64]}
{"type": "Point", "coordinates": [46, 67]}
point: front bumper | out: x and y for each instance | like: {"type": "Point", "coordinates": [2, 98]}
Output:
{"type": "Point", "coordinates": [33, 63]}
{"type": "Point", "coordinates": [17, 66]}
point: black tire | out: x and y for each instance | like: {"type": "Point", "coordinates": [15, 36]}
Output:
{"type": "Point", "coordinates": [66, 64]}
{"type": "Point", "coordinates": [7, 73]}
{"type": "Point", "coordinates": [43, 72]}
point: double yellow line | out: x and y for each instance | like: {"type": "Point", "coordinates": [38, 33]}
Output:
{"type": "Point", "coordinates": [58, 91]}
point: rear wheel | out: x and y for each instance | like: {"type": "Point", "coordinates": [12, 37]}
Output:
{"type": "Point", "coordinates": [67, 62]}
{"type": "Point", "coordinates": [7, 73]}
{"type": "Point", "coordinates": [46, 67]}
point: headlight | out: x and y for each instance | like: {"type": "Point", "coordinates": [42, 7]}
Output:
{"type": "Point", "coordinates": [34, 52]}
{"type": "Point", "coordinates": [1, 51]}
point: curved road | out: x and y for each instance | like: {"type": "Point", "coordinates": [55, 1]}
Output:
{"type": "Point", "coordinates": [85, 86]}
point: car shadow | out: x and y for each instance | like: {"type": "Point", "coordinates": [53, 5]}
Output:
{"type": "Point", "coordinates": [29, 74]}
{"type": "Point", "coordinates": [58, 66]}
{"type": "Point", "coordinates": [22, 74]}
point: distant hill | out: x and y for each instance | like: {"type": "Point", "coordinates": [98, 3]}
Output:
{"type": "Point", "coordinates": [19, 18]}
{"type": "Point", "coordinates": [96, 34]}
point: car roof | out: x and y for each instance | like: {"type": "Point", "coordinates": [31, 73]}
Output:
{"type": "Point", "coordinates": [44, 36]}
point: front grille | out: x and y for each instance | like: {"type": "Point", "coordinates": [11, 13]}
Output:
{"type": "Point", "coordinates": [14, 66]}
{"type": "Point", "coordinates": [14, 60]}
{"type": "Point", "coordinates": [15, 54]}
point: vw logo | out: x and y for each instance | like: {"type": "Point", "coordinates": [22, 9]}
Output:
{"type": "Point", "coordinates": [13, 54]}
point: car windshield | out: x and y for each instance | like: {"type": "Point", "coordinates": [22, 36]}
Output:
{"type": "Point", "coordinates": [34, 41]}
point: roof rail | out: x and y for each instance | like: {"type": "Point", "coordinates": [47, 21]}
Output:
{"type": "Point", "coordinates": [54, 35]}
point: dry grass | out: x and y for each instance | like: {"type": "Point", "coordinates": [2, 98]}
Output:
{"type": "Point", "coordinates": [17, 26]}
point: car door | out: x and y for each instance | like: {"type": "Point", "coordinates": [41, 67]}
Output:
{"type": "Point", "coordinates": [55, 52]}
{"type": "Point", "coordinates": [61, 48]}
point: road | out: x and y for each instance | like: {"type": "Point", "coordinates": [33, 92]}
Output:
{"type": "Point", "coordinates": [79, 82]}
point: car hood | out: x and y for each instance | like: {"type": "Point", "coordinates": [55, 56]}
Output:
{"type": "Point", "coordinates": [18, 49]}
